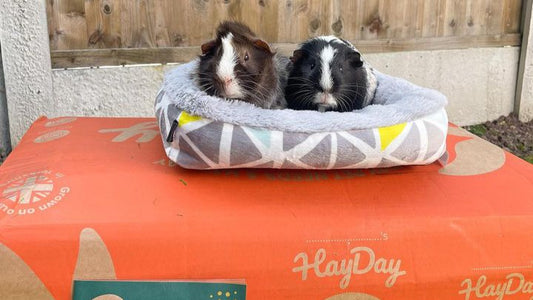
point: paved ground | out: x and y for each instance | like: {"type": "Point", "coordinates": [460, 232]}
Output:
{"type": "Point", "coordinates": [508, 133]}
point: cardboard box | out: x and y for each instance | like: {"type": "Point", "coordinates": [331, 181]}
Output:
{"type": "Point", "coordinates": [97, 199]}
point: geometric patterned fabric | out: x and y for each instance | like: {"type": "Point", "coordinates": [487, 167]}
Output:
{"type": "Point", "coordinates": [200, 143]}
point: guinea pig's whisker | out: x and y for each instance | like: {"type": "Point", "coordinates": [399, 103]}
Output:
{"type": "Point", "coordinates": [341, 104]}
{"type": "Point", "coordinates": [303, 80]}
{"type": "Point", "coordinates": [247, 75]}
{"type": "Point", "coordinates": [299, 94]}
{"type": "Point", "coordinates": [205, 85]}
{"type": "Point", "coordinates": [259, 88]}
{"type": "Point", "coordinates": [204, 73]}
{"type": "Point", "coordinates": [304, 98]}
{"type": "Point", "coordinates": [358, 94]}
{"type": "Point", "coordinates": [345, 102]}
{"type": "Point", "coordinates": [302, 93]}
{"type": "Point", "coordinates": [300, 84]}
{"type": "Point", "coordinates": [256, 89]}
{"type": "Point", "coordinates": [254, 99]}
{"type": "Point", "coordinates": [354, 87]}
{"type": "Point", "coordinates": [355, 90]}
{"type": "Point", "coordinates": [264, 91]}
{"type": "Point", "coordinates": [257, 95]}
{"type": "Point", "coordinates": [208, 88]}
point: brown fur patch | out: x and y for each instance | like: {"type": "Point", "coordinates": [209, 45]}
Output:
{"type": "Point", "coordinates": [255, 70]}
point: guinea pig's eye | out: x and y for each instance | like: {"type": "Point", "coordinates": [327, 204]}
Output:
{"type": "Point", "coordinates": [312, 66]}
{"type": "Point", "coordinates": [340, 68]}
{"type": "Point", "coordinates": [246, 57]}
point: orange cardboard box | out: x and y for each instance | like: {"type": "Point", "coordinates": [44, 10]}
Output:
{"type": "Point", "coordinates": [96, 198]}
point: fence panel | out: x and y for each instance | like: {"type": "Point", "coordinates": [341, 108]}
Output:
{"type": "Point", "coordinates": [100, 32]}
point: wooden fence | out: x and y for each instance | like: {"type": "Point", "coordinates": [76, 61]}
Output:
{"type": "Point", "coordinates": [115, 32]}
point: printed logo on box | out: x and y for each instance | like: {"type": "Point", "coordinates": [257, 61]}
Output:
{"type": "Point", "coordinates": [360, 260]}
{"type": "Point", "coordinates": [51, 136]}
{"type": "Point", "coordinates": [59, 121]}
{"type": "Point", "coordinates": [32, 192]}
{"type": "Point", "coordinates": [516, 284]}
{"type": "Point", "coordinates": [145, 132]}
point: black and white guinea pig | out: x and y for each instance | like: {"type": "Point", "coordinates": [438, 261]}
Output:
{"type": "Point", "coordinates": [328, 74]}
{"type": "Point", "coordinates": [238, 65]}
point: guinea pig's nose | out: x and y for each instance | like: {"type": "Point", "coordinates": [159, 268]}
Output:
{"type": "Point", "coordinates": [324, 98]}
{"type": "Point", "coordinates": [227, 80]}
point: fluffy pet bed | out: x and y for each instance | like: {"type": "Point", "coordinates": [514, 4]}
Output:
{"type": "Point", "coordinates": [405, 125]}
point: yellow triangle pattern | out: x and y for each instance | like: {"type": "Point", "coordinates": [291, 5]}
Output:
{"type": "Point", "coordinates": [185, 118]}
{"type": "Point", "coordinates": [388, 134]}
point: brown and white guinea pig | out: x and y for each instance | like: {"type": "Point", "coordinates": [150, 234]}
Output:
{"type": "Point", "coordinates": [238, 65]}
{"type": "Point", "coordinates": [328, 74]}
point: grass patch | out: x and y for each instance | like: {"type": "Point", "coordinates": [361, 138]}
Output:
{"type": "Point", "coordinates": [478, 130]}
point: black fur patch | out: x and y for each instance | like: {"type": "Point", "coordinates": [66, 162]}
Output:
{"type": "Point", "coordinates": [349, 78]}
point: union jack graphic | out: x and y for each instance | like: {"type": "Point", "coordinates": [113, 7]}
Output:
{"type": "Point", "coordinates": [29, 190]}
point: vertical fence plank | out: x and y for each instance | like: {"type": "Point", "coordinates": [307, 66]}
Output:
{"type": "Point", "coordinates": [511, 16]}
{"type": "Point", "coordinates": [430, 19]}
{"type": "Point", "coordinates": [268, 25]}
{"type": "Point", "coordinates": [103, 23]}
{"type": "Point", "coordinates": [477, 19]}
{"type": "Point", "coordinates": [410, 19]}
{"type": "Point", "coordinates": [373, 22]}
{"type": "Point", "coordinates": [67, 26]}
{"type": "Point", "coordinates": [51, 21]}
{"type": "Point", "coordinates": [495, 16]}
{"type": "Point", "coordinates": [160, 23]}
{"type": "Point", "coordinates": [420, 7]}
{"type": "Point", "coordinates": [383, 15]}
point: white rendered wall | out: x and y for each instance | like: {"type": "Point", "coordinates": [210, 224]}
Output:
{"type": "Point", "coordinates": [110, 91]}
{"type": "Point", "coordinates": [479, 83]}
{"type": "Point", "coordinates": [26, 59]}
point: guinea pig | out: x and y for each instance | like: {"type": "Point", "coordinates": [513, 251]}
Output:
{"type": "Point", "coordinates": [328, 74]}
{"type": "Point", "coordinates": [238, 65]}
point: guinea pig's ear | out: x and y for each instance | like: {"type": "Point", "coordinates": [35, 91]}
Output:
{"type": "Point", "coordinates": [262, 45]}
{"type": "Point", "coordinates": [296, 55]}
{"type": "Point", "coordinates": [355, 59]}
{"type": "Point", "coordinates": [208, 46]}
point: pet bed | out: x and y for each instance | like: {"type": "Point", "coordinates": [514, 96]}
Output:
{"type": "Point", "coordinates": [405, 125]}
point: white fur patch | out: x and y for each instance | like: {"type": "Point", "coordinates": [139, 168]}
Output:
{"type": "Point", "coordinates": [325, 100]}
{"type": "Point", "coordinates": [334, 39]}
{"type": "Point", "coordinates": [326, 56]}
{"type": "Point", "coordinates": [330, 38]}
{"type": "Point", "coordinates": [228, 60]}
{"type": "Point", "coordinates": [225, 68]}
